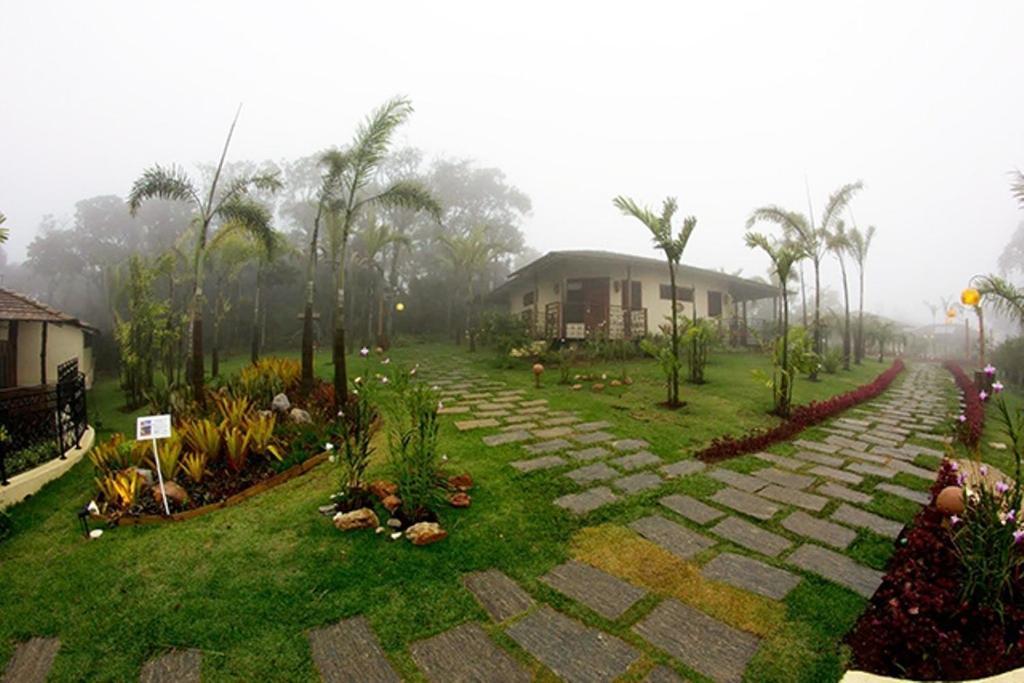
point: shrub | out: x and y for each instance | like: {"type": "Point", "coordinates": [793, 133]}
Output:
{"type": "Point", "coordinates": [1009, 358]}
{"type": "Point", "coordinates": [503, 332]}
{"type": "Point", "coordinates": [194, 467]}
{"type": "Point", "coordinates": [236, 448]}
{"type": "Point", "coordinates": [698, 338]}
{"type": "Point", "coordinates": [661, 348]}
{"type": "Point", "coordinates": [832, 361]}
{"type": "Point", "coordinates": [265, 379]}
{"type": "Point", "coordinates": [120, 490]}
{"type": "Point", "coordinates": [202, 437]}
{"type": "Point", "coordinates": [358, 422]}
{"type": "Point", "coordinates": [414, 458]}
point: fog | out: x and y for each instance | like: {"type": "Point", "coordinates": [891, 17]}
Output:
{"type": "Point", "coordinates": [727, 106]}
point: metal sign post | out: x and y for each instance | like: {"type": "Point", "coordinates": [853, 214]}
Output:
{"type": "Point", "coordinates": [152, 428]}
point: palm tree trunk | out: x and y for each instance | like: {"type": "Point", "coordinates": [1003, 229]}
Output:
{"type": "Point", "coordinates": [858, 351]}
{"type": "Point", "coordinates": [469, 317]}
{"type": "Point", "coordinates": [338, 347]}
{"type": "Point", "coordinates": [673, 394]}
{"type": "Point", "coordinates": [307, 314]}
{"type": "Point", "coordinates": [784, 380]}
{"type": "Point", "coordinates": [817, 318]}
{"type": "Point", "coordinates": [215, 353]}
{"type": "Point", "coordinates": [196, 369]}
{"type": "Point", "coordinates": [254, 351]}
{"type": "Point", "coordinates": [846, 323]}
{"type": "Point", "coordinates": [803, 296]}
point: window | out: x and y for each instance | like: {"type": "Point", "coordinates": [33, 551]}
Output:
{"type": "Point", "coordinates": [682, 293]}
{"type": "Point", "coordinates": [714, 304]}
{"type": "Point", "coordinates": [632, 295]}
{"type": "Point", "coordinates": [528, 298]}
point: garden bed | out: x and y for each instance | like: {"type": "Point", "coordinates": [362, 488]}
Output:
{"type": "Point", "coordinates": [801, 418]}
{"type": "Point", "coordinates": [917, 625]}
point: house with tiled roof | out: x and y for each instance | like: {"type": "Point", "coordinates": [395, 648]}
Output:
{"type": "Point", "coordinates": [35, 339]}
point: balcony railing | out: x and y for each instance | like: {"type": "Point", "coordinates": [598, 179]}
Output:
{"type": "Point", "coordinates": [585, 321]}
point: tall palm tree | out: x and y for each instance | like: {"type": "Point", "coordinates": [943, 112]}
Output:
{"type": "Point", "coordinates": [1003, 296]}
{"type": "Point", "coordinates": [860, 245]}
{"type": "Point", "coordinates": [375, 239]}
{"type": "Point", "coordinates": [673, 248]}
{"type": "Point", "coordinates": [469, 254]}
{"type": "Point", "coordinates": [3, 231]}
{"type": "Point", "coordinates": [813, 239]}
{"type": "Point", "coordinates": [784, 255]}
{"type": "Point", "coordinates": [1017, 187]}
{"type": "Point", "coordinates": [220, 205]}
{"type": "Point", "coordinates": [839, 244]}
{"type": "Point", "coordinates": [352, 190]}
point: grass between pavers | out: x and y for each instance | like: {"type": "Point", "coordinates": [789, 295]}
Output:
{"type": "Point", "coordinates": [245, 584]}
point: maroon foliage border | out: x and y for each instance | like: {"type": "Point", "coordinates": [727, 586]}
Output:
{"type": "Point", "coordinates": [973, 425]}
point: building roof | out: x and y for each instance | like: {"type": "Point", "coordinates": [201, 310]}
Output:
{"type": "Point", "coordinates": [15, 306]}
{"type": "Point", "coordinates": [740, 288]}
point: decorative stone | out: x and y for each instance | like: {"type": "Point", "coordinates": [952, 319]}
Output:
{"type": "Point", "coordinates": [586, 501]}
{"type": "Point", "coordinates": [545, 463]}
{"type": "Point", "coordinates": [635, 483]}
{"type": "Point", "coordinates": [382, 488]}
{"type": "Point", "coordinates": [950, 501]}
{"type": "Point", "coordinates": [683, 468]}
{"type": "Point", "coordinates": [394, 523]}
{"type": "Point", "coordinates": [635, 461]}
{"type": "Point", "coordinates": [300, 416]}
{"type": "Point", "coordinates": [349, 652]}
{"type": "Point", "coordinates": [459, 500]}
{"type": "Point", "coordinates": [691, 508]}
{"type": "Point", "coordinates": [327, 509]}
{"type": "Point", "coordinates": [672, 537]}
{"type": "Point", "coordinates": [746, 503]}
{"type": "Point", "coordinates": [174, 491]}
{"type": "Point", "coordinates": [363, 518]}
{"type": "Point", "coordinates": [837, 568]}
{"type": "Point", "coordinates": [702, 643]}
{"type": "Point", "coordinates": [607, 595]}
{"type": "Point", "coordinates": [466, 653]}
{"type": "Point", "coordinates": [177, 666]}
{"type": "Point", "coordinates": [499, 595]}
{"type": "Point", "coordinates": [597, 386]}
{"type": "Point", "coordinates": [751, 575]}
{"type": "Point", "coordinates": [847, 514]}
{"type": "Point", "coordinates": [574, 652]}
{"type": "Point", "coordinates": [392, 503]}
{"type": "Point", "coordinates": [819, 530]}
{"type": "Point", "coordinates": [751, 536]}
{"type": "Point", "coordinates": [280, 404]}
{"type": "Point", "coordinates": [460, 482]}
{"type": "Point", "coordinates": [425, 533]}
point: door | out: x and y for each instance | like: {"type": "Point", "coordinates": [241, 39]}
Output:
{"type": "Point", "coordinates": [586, 302]}
{"type": "Point", "coordinates": [8, 353]}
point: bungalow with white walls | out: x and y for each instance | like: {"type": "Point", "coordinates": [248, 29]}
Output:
{"type": "Point", "coordinates": [578, 294]}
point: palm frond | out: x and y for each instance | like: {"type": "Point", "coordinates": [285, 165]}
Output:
{"type": "Point", "coordinates": [370, 145]}
{"type": "Point", "coordinates": [4, 232]}
{"type": "Point", "coordinates": [838, 201]}
{"type": "Point", "coordinates": [250, 217]}
{"type": "Point", "coordinates": [1002, 296]}
{"type": "Point", "coordinates": [1017, 187]}
{"type": "Point", "coordinates": [660, 231]}
{"type": "Point", "coordinates": [266, 182]}
{"type": "Point", "coordinates": [790, 221]}
{"type": "Point", "coordinates": [405, 194]}
{"type": "Point", "coordinates": [158, 182]}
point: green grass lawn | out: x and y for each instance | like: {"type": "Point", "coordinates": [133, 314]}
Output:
{"type": "Point", "coordinates": [245, 584]}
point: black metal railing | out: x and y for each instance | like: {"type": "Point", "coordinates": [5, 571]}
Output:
{"type": "Point", "coordinates": [50, 416]}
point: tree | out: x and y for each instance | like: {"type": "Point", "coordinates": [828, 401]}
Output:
{"type": "Point", "coordinates": [860, 245]}
{"type": "Point", "coordinates": [468, 256]}
{"type": "Point", "coordinates": [352, 172]}
{"type": "Point", "coordinates": [839, 244]}
{"type": "Point", "coordinates": [4, 232]}
{"type": "Point", "coordinates": [229, 205]}
{"type": "Point", "coordinates": [673, 247]}
{"type": "Point", "coordinates": [374, 240]}
{"type": "Point", "coordinates": [1017, 187]}
{"type": "Point", "coordinates": [784, 255]}
{"type": "Point", "coordinates": [812, 238]}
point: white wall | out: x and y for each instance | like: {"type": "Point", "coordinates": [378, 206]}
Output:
{"type": "Point", "coordinates": [63, 342]}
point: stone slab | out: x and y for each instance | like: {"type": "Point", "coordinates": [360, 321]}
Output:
{"type": "Point", "coordinates": [702, 643]}
{"type": "Point", "coordinates": [500, 596]}
{"type": "Point", "coordinates": [574, 652]}
{"type": "Point", "coordinates": [534, 403]}
{"type": "Point", "coordinates": [593, 437]}
{"type": "Point", "coordinates": [453, 410]}
{"type": "Point", "coordinates": [548, 446]}
{"type": "Point", "coordinates": [545, 463]}
{"type": "Point", "coordinates": [800, 499]}
{"type": "Point", "coordinates": [751, 575]}
{"type": "Point", "coordinates": [851, 516]}
{"type": "Point", "coordinates": [593, 426]}
{"type": "Point", "coordinates": [641, 481]}
{"type": "Point", "coordinates": [820, 447]}
{"type": "Point", "coordinates": [662, 674]}
{"type": "Point", "coordinates": [466, 425]}
{"type": "Point", "coordinates": [820, 530]}
{"type": "Point", "coordinates": [517, 427]}
{"type": "Point", "coordinates": [782, 478]}
{"type": "Point", "coordinates": [552, 432]}
{"type": "Point", "coordinates": [751, 536]}
{"type": "Point", "coordinates": [484, 414]}
{"type": "Point", "coordinates": [589, 474]}
{"type": "Point", "coordinates": [31, 661]}
{"type": "Point", "coordinates": [608, 595]}
{"type": "Point", "coordinates": [672, 537]}
{"type": "Point", "coordinates": [683, 468]}
{"type": "Point", "coordinates": [836, 568]}
{"type": "Point", "coordinates": [635, 461]}
{"type": "Point", "coordinates": [466, 653]}
{"type": "Point", "coordinates": [743, 482]}
{"type": "Point", "coordinates": [348, 652]}
{"type": "Point", "coordinates": [781, 460]}
{"type": "Point", "coordinates": [514, 436]}
{"type": "Point", "coordinates": [871, 470]}
{"type": "Point", "coordinates": [177, 666]}
{"type": "Point", "coordinates": [913, 470]}
{"type": "Point", "coordinates": [559, 421]}
{"type": "Point", "coordinates": [629, 444]}
{"type": "Point", "coordinates": [586, 501]}
{"type": "Point", "coordinates": [512, 419]}
{"type": "Point", "coordinates": [845, 442]}
{"type": "Point", "coordinates": [592, 453]}
{"type": "Point", "coordinates": [691, 508]}
{"type": "Point", "coordinates": [819, 458]}
{"type": "Point", "coordinates": [838, 475]}
{"type": "Point", "coordinates": [747, 503]}
{"type": "Point", "coordinates": [919, 497]}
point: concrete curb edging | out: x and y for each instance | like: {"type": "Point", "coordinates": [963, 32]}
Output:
{"type": "Point", "coordinates": [25, 484]}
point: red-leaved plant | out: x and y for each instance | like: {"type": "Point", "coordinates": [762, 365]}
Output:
{"type": "Point", "coordinates": [970, 423]}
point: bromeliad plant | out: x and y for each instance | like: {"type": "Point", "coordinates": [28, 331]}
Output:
{"type": "Point", "coordinates": [359, 421]}
{"type": "Point", "coordinates": [414, 459]}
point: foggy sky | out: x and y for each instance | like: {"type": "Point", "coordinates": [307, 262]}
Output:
{"type": "Point", "coordinates": [726, 105]}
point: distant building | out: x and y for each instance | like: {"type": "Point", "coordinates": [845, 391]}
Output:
{"type": "Point", "coordinates": [25, 360]}
{"type": "Point", "coordinates": [579, 294]}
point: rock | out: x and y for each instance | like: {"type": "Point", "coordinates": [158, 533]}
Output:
{"type": "Point", "coordinates": [392, 503]}
{"type": "Point", "coordinates": [627, 381]}
{"type": "Point", "coordinates": [363, 518]}
{"type": "Point", "coordinates": [577, 387]}
{"type": "Point", "coordinates": [146, 474]}
{"type": "Point", "coordinates": [281, 404]}
{"type": "Point", "coordinates": [425, 533]}
{"type": "Point", "coordinates": [327, 509]}
{"type": "Point", "coordinates": [461, 482]}
{"type": "Point", "coordinates": [615, 383]}
{"type": "Point", "coordinates": [174, 490]}
{"type": "Point", "coordinates": [382, 488]}
{"type": "Point", "coordinates": [395, 523]}
{"type": "Point", "coordinates": [598, 386]}
{"type": "Point", "coordinates": [300, 416]}
{"type": "Point", "coordinates": [395, 536]}
{"type": "Point", "coordinates": [266, 413]}
{"type": "Point", "coordinates": [459, 500]}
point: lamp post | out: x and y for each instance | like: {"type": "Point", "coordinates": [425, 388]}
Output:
{"type": "Point", "coordinates": [971, 298]}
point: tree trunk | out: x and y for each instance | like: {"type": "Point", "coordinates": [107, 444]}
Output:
{"type": "Point", "coordinates": [846, 321]}
{"type": "Point", "coordinates": [785, 379]}
{"type": "Point", "coordinates": [673, 397]}
{"type": "Point", "coordinates": [215, 354]}
{"type": "Point", "coordinates": [197, 369]}
{"type": "Point", "coordinates": [307, 314]}
{"type": "Point", "coordinates": [470, 332]}
{"type": "Point", "coordinates": [254, 351]}
{"type": "Point", "coordinates": [858, 347]}
{"type": "Point", "coordinates": [338, 346]}
{"type": "Point", "coordinates": [817, 319]}
{"type": "Point", "coordinates": [803, 295]}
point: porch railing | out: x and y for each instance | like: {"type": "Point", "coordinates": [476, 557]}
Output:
{"type": "Point", "coordinates": [585, 321]}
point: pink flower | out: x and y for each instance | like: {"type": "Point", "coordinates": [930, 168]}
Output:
{"type": "Point", "coordinates": [953, 467]}
{"type": "Point", "coordinates": [997, 387]}
{"type": "Point", "coordinates": [961, 479]}
{"type": "Point", "coordinates": [983, 395]}
{"type": "Point", "coordinates": [983, 470]}
{"type": "Point", "coordinates": [954, 520]}
{"type": "Point", "coordinates": [1011, 516]}
{"type": "Point", "coordinates": [1002, 487]}
{"type": "Point", "coordinates": [364, 352]}
{"type": "Point", "coordinates": [961, 418]}
{"type": "Point", "coordinates": [990, 369]}
{"type": "Point", "coordinates": [1018, 537]}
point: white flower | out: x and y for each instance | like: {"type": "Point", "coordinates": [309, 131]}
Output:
{"type": "Point", "coordinates": [385, 361]}
{"type": "Point", "coordinates": [93, 508]}
{"type": "Point", "coordinates": [333, 458]}
{"type": "Point", "coordinates": [444, 458]}
{"type": "Point", "coordinates": [328, 446]}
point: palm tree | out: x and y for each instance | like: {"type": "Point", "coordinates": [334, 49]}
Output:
{"type": "Point", "coordinates": [860, 244]}
{"type": "Point", "coordinates": [812, 238]}
{"type": "Point", "coordinates": [784, 255]}
{"type": "Point", "coordinates": [230, 205]}
{"type": "Point", "coordinates": [1003, 296]}
{"type": "Point", "coordinates": [3, 231]}
{"type": "Point", "coordinates": [1017, 187]}
{"type": "Point", "coordinates": [673, 247]}
{"type": "Point", "coordinates": [469, 255]}
{"type": "Point", "coordinates": [838, 244]}
{"type": "Point", "coordinates": [375, 238]}
{"type": "Point", "coordinates": [352, 172]}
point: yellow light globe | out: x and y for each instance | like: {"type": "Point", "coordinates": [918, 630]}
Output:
{"type": "Point", "coordinates": [970, 297]}
{"type": "Point", "coordinates": [399, 307]}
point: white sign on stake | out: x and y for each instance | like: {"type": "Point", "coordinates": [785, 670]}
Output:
{"type": "Point", "coordinates": [151, 428]}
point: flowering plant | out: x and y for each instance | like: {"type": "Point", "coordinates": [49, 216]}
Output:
{"type": "Point", "coordinates": [969, 425]}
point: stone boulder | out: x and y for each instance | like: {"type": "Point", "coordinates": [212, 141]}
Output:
{"type": "Point", "coordinates": [300, 416]}
{"type": "Point", "coordinates": [392, 503]}
{"type": "Point", "coordinates": [175, 493]}
{"type": "Point", "coordinates": [382, 488]}
{"type": "Point", "coordinates": [281, 404]}
{"type": "Point", "coordinates": [461, 482]}
{"type": "Point", "coordinates": [425, 533]}
{"type": "Point", "coordinates": [459, 500]}
{"type": "Point", "coordinates": [363, 518]}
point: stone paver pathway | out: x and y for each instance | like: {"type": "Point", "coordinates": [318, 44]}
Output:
{"type": "Point", "coordinates": [177, 666]}
{"type": "Point", "coordinates": [466, 653]}
{"type": "Point", "coordinates": [31, 661]}
{"type": "Point", "coordinates": [348, 652]}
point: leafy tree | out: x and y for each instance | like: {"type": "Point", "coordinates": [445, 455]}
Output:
{"type": "Point", "coordinates": [138, 334]}
{"type": "Point", "coordinates": [839, 244]}
{"type": "Point", "coordinates": [673, 247]}
{"type": "Point", "coordinates": [468, 256]}
{"type": "Point", "coordinates": [226, 205]}
{"type": "Point", "coordinates": [860, 245]}
{"type": "Point", "coordinates": [352, 172]}
{"type": "Point", "coordinates": [813, 239]}
{"type": "Point", "coordinates": [783, 255]}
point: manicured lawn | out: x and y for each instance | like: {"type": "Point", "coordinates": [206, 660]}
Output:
{"type": "Point", "coordinates": [245, 584]}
